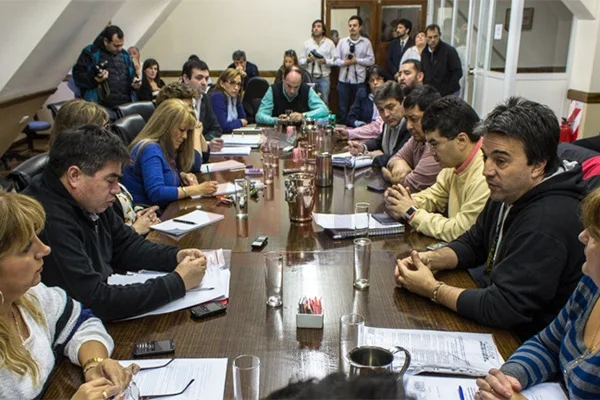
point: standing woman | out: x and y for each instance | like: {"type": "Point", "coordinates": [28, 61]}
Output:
{"type": "Point", "coordinates": [151, 82]}
{"type": "Point", "coordinates": [291, 58]}
{"type": "Point", "coordinates": [226, 100]}
{"type": "Point", "coordinates": [166, 154]}
{"type": "Point", "coordinates": [414, 53]}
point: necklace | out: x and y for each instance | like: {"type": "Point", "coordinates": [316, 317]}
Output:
{"type": "Point", "coordinates": [12, 310]}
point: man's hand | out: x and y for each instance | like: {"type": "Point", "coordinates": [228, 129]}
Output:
{"type": "Point", "coordinates": [216, 144]}
{"type": "Point", "coordinates": [321, 61]}
{"type": "Point", "coordinates": [113, 371]}
{"type": "Point", "coordinates": [415, 276]}
{"type": "Point", "coordinates": [395, 173]}
{"type": "Point", "coordinates": [496, 385]}
{"type": "Point", "coordinates": [242, 70]}
{"type": "Point", "coordinates": [136, 83]}
{"type": "Point", "coordinates": [188, 179]}
{"type": "Point", "coordinates": [101, 77]}
{"type": "Point", "coordinates": [397, 201]}
{"type": "Point", "coordinates": [193, 253]}
{"type": "Point", "coordinates": [356, 148]}
{"type": "Point", "coordinates": [310, 57]}
{"type": "Point", "coordinates": [191, 269]}
{"type": "Point", "coordinates": [341, 133]}
{"type": "Point", "coordinates": [244, 122]}
{"type": "Point", "coordinates": [296, 117]}
{"type": "Point", "coordinates": [350, 61]}
{"type": "Point", "coordinates": [145, 219]}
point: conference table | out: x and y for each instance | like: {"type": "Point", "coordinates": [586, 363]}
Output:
{"type": "Point", "coordinates": [315, 265]}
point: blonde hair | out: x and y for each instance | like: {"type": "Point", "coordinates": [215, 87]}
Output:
{"type": "Point", "coordinates": [170, 114]}
{"type": "Point", "coordinates": [22, 217]}
{"type": "Point", "coordinates": [228, 75]}
{"type": "Point", "coordinates": [76, 113]}
{"type": "Point", "coordinates": [590, 213]}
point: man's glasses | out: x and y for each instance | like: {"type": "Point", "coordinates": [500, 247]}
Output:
{"type": "Point", "coordinates": [133, 392]}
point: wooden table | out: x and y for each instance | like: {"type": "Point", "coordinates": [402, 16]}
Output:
{"type": "Point", "coordinates": [250, 327]}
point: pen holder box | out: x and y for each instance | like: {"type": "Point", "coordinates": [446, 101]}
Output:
{"type": "Point", "coordinates": [314, 321]}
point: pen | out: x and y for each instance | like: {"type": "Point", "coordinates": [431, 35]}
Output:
{"type": "Point", "coordinates": [183, 221]}
{"type": "Point", "coordinates": [201, 289]}
{"type": "Point", "coordinates": [461, 394]}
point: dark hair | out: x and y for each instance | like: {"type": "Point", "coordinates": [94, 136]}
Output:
{"type": "Point", "coordinates": [150, 62]}
{"type": "Point", "coordinates": [533, 124]}
{"type": "Point", "coordinates": [433, 27]}
{"type": "Point", "coordinates": [389, 90]}
{"type": "Point", "coordinates": [338, 386]}
{"type": "Point", "coordinates": [406, 23]}
{"type": "Point", "coordinates": [239, 55]}
{"type": "Point", "coordinates": [317, 21]}
{"type": "Point", "coordinates": [193, 57]}
{"type": "Point", "coordinates": [451, 115]}
{"type": "Point", "coordinates": [293, 68]}
{"type": "Point", "coordinates": [291, 53]}
{"type": "Point", "coordinates": [88, 147]}
{"type": "Point", "coordinates": [375, 70]}
{"type": "Point", "coordinates": [191, 65]}
{"type": "Point", "coordinates": [422, 96]}
{"type": "Point", "coordinates": [356, 17]}
{"type": "Point", "coordinates": [111, 31]}
{"type": "Point", "coordinates": [416, 64]}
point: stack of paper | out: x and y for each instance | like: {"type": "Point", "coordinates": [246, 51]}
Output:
{"type": "Point", "coordinates": [347, 221]}
{"type": "Point", "coordinates": [232, 151]}
{"type": "Point", "coordinates": [242, 140]}
{"type": "Point", "coordinates": [338, 160]}
{"type": "Point", "coordinates": [248, 130]}
{"type": "Point", "coordinates": [222, 166]}
{"type": "Point", "coordinates": [187, 222]}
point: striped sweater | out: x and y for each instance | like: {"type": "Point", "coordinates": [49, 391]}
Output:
{"type": "Point", "coordinates": [559, 351]}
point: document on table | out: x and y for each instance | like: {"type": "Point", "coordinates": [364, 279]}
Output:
{"type": "Point", "coordinates": [187, 222]}
{"type": "Point", "coordinates": [214, 286]}
{"type": "Point", "coordinates": [248, 130]}
{"type": "Point", "coordinates": [338, 160]}
{"type": "Point", "coordinates": [208, 374]}
{"type": "Point", "coordinates": [241, 140]}
{"type": "Point", "coordinates": [232, 151]}
{"type": "Point", "coordinates": [458, 353]}
{"type": "Point", "coordinates": [222, 166]}
{"type": "Point", "coordinates": [347, 221]}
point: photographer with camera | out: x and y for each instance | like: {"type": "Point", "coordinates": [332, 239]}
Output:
{"type": "Point", "coordinates": [319, 53]}
{"type": "Point", "coordinates": [105, 72]}
{"type": "Point", "coordinates": [353, 54]}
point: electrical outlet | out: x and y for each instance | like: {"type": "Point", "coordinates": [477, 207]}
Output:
{"type": "Point", "coordinates": [24, 119]}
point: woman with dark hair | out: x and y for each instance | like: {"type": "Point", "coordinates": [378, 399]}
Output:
{"type": "Point", "coordinates": [363, 118]}
{"type": "Point", "coordinates": [226, 100]}
{"type": "Point", "coordinates": [291, 58]}
{"type": "Point", "coordinates": [151, 82]}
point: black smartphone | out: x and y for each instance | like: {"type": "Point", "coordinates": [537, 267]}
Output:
{"type": "Point", "coordinates": [154, 347]}
{"type": "Point", "coordinates": [384, 219]}
{"type": "Point", "coordinates": [376, 188]}
{"type": "Point", "coordinates": [207, 309]}
{"type": "Point", "coordinates": [260, 242]}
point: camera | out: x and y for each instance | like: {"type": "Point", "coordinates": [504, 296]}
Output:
{"type": "Point", "coordinates": [352, 47]}
{"type": "Point", "coordinates": [101, 67]}
{"type": "Point", "coordinates": [316, 54]}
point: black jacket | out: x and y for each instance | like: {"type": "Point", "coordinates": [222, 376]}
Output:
{"type": "Point", "coordinates": [210, 125]}
{"type": "Point", "coordinates": [442, 69]}
{"type": "Point", "coordinates": [251, 72]}
{"type": "Point", "coordinates": [144, 93]}
{"type": "Point", "coordinates": [86, 252]}
{"type": "Point", "coordinates": [395, 54]}
{"type": "Point", "coordinates": [377, 144]}
{"type": "Point", "coordinates": [538, 261]}
{"type": "Point", "coordinates": [362, 108]}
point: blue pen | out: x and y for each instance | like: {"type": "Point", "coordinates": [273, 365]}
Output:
{"type": "Point", "coordinates": [461, 393]}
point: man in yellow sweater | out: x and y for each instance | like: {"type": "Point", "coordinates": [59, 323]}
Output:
{"type": "Point", "coordinates": [460, 191]}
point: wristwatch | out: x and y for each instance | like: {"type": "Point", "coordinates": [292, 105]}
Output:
{"type": "Point", "coordinates": [410, 213]}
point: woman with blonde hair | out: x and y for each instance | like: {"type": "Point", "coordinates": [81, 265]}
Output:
{"type": "Point", "coordinates": [39, 324]}
{"type": "Point", "coordinates": [226, 100]}
{"type": "Point", "coordinates": [166, 154]}
{"type": "Point", "coordinates": [76, 113]}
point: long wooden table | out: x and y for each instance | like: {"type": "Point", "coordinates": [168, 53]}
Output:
{"type": "Point", "coordinates": [250, 327]}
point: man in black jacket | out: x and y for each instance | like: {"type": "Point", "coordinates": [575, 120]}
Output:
{"type": "Point", "coordinates": [526, 236]}
{"type": "Point", "coordinates": [248, 69]}
{"type": "Point", "coordinates": [90, 242]}
{"type": "Point", "coordinates": [398, 46]}
{"type": "Point", "coordinates": [441, 64]}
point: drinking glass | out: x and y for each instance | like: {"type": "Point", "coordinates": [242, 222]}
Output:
{"type": "Point", "coordinates": [361, 219]}
{"type": "Point", "coordinates": [246, 377]}
{"type": "Point", "coordinates": [350, 325]}
{"type": "Point", "coordinates": [242, 194]}
{"type": "Point", "coordinates": [362, 262]}
{"type": "Point", "coordinates": [349, 172]}
{"type": "Point", "coordinates": [274, 278]}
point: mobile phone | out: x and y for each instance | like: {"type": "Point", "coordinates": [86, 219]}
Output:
{"type": "Point", "coordinates": [376, 188]}
{"type": "Point", "coordinates": [260, 242]}
{"type": "Point", "coordinates": [384, 219]}
{"type": "Point", "coordinates": [207, 309]}
{"type": "Point", "coordinates": [154, 347]}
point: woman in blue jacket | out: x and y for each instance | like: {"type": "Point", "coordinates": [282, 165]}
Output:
{"type": "Point", "coordinates": [166, 154]}
{"type": "Point", "coordinates": [226, 101]}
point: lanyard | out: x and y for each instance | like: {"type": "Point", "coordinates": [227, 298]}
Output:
{"type": "Point", "coordinates": [491, 258]}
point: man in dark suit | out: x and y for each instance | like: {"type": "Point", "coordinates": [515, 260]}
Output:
{"type": "Point", "coordinates": [441, 64]}
{"type": "Point", "coordinates": [247, 69]}
{"type": "Point", "coordinates": [399, 45]}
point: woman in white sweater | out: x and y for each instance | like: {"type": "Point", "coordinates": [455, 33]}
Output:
{"type": "Point", "coordinates": [40, 325]}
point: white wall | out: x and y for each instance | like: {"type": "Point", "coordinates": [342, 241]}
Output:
{"type": "Point", "coordinates": [213, 29]}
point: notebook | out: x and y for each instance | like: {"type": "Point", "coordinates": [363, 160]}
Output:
{"type": "Point", "coordinates": [351, 233]}
{"type": "Point", "coordinates": [242, 140]}
{"type": "Point", "coordinates": [187, 222]}
{"type": "Point", "coordinates": [338, 160]}
{"type": "Point", "coordinates": [232, 151]}
{"type": "Point", "coordinates": [222, 166]}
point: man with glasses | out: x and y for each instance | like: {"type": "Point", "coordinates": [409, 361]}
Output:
{"type": "Point", "coordinates": [292, 97]}
{"type": "Point", "coordinates": [319, 53]}
{"type": "Point", "coordinates": [451, 205]}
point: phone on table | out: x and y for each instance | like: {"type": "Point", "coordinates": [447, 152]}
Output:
{"type": "Point", "coordinates": [376, 188]}
{"type": "Point", "coordinates": [384, 219]}
{"type": "Point", "coordinates": [208, 309]}
{"type": "Point", "coordinates": [260, 242]}
{"type": "Point", "coordinates": [153, 347]}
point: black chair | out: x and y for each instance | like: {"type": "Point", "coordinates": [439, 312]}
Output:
{"type": "Point", "coordinates": [54, 107]}
{"type": "Point", "coordinates": [22, 174]}
{"type": "Point", "coordinates": [31, 132]}
{"type": "Point", "coordinates": [256, 89]}
{"type": "Point", "coordinates": [128, 127]}
{"type": "Point", "coordinates": [143, 108]}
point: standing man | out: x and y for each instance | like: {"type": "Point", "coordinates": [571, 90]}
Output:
{"type": "Point", "coordinates": [441, 63]}
{"type": "Point", "coordinates": [398, 46]}
{"type": "Point", "coordinates": [319, 53]}
{"type": "Point", "coordinates": [105, 72]}
{"type": "Point", "coordinates": [353, 54]}
{"type": "Point", "coordinates": [240, 63]}
{"type": "Point", "coordinates": [410, 75]}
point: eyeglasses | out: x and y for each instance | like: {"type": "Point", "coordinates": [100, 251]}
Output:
{"type": "Point", "coordinates": [133, 392]}
{"type": "Point", "coordinates": [234, 83]}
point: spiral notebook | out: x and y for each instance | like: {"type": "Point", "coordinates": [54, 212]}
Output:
{"type": "Point", "coordinates": [351, 233]}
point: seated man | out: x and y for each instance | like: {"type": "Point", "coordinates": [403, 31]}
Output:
{"type": "Point", "coordinates": [240, 63]}
{"type": "Point", "coordinates": [90, 242]}
{"type": "Point", "coordinates": [449, 207]}
{"type": "Point", "coordinates": [414, 166]}
{"type": "Point", "coordinates": [388, 100]}
{"type": "Point", "coordinates": [290, 94]}
{"type": "Point", "coordinates": [527, 234]}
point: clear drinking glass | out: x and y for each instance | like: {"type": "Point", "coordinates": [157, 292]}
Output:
{"type": "Point", "coordinates": [349, 172]}
{"type": "Point", "coordinates": [361, 219]}
{"type": "Point", "coordinates": [362, 262]}
{"type": "Point", "coordinates": [242, 194]}
{"type": "Point", "coordinates": [350, 325]}
{"type": "Point", "coordinates": [268, 169]}
{"type": "Point", "coordinates": [274, 278]}
{"type": "Point", "coordinates": [246, 377]}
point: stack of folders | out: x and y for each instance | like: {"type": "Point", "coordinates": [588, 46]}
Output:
{"type": "Point", "coordinates": [341, 226]}
{"type": "Point", "coordinates": [338, 160]}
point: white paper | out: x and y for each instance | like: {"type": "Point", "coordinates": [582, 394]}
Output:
{"type": "Point", "coordinates": [248, 130]}
{"type": "Point", "coordinates": [222, 166]}
{"type": "Point", "coordinates": [241, 140]}
{"type": "Point", "coordinates": [232, 151]}
{"type": "Point", "coordinates": [198, 217]}
{"type": "Point", "coordinates": [347, 221]}
{"type": "Point", "coordinates": [338, 160]}
{"type": "Point", "coordinates": [458, 353]}
{"type": "Point", "coordinates": [545, 391]}
{"type": "Point", "coordinates": [208, 373]}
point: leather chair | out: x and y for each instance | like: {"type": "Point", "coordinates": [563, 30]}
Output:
{"type": "Point", "coordinates": [256, 89]}
{"type": "Point", "coordinates": [31, 132]}
{"type": "Point", "coordinates": [128, 127]}
{"type": "Point", "coordinates": [143, 108]}
{"type": "Point", "coordinates": [54, 107]}
{"type": "Point", "coordinates": [22, 174]}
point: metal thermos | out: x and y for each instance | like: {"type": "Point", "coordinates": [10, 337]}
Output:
{"type": "Point", "coordinates": [324, 170]}
{"type": "Point", "coordinates": [300, 196]}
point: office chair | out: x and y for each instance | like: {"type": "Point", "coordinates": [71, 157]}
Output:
{"type": "Point", "coordinates": [256, 89]}
{"type": "Point", "coordinates": [23, 173]}
{"type": "Point", "coordinates": [143, 108]}
{"type": "Point", "coordinates": [128, 127]}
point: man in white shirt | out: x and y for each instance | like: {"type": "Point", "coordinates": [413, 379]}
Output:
{"type": "Point", "coordinates": [319, 52]}
{"type": "Point", "coordinates": [353, 54]}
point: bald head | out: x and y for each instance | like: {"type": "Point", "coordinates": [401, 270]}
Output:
{"type": "Point", "coordinates": [292, 81]}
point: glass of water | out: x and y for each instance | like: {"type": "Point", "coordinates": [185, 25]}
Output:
{"type": "Point", "coordinates": [246, 377]}
{"type": "Point", "coordinates": [349, 172]}
{"type": "Point", "coordinates": [242, 194]}
{"type": "Point", "coordinates": [362, 262]}
{"type": "Point", "coordinates": [274, 278]}
{"type": "Point", "coordinates": [350, 326]}
{"type": "Point", "coordinates": [361, 219]}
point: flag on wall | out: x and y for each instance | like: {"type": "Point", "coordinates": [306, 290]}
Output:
{"type": "Point", "coordinates": [574, 118]}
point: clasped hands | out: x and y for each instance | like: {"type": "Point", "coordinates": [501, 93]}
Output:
{"type": "Point", "coordinates": [293, 117]}
{"type": "Point", "coordinates": [414, 273]}
{"type": "Point", "coordinates": [498, 386]}
{"type": "Point", "coordinates": [191, 267]}
{"type": "Point", "coordinates": [105, 380]}
{"type": "Point", "coordinates": [398, 200]}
